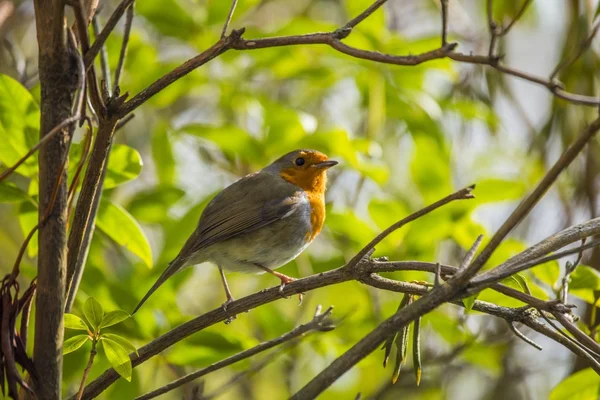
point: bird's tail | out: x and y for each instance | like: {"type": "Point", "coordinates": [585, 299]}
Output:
{"type": "Point", "coordinates": [173, 267]}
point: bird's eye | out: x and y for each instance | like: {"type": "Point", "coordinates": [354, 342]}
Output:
{"type": "Point", "coordinates": [299, 161]}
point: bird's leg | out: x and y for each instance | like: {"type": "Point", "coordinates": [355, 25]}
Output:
{"type": "Point", "coordinates": [284, 280]}
{"type": "Point", "coordinates": [230, 298]}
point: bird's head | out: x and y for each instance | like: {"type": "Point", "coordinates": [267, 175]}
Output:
{"type": "Point", "coordinates": [304, 168]}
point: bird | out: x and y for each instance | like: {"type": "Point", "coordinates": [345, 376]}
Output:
{"type": "Point", "coordinates": [260, 222]}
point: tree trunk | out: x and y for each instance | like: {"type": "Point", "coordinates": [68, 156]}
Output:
{"type": "Point", "coordinates": [58, 78]}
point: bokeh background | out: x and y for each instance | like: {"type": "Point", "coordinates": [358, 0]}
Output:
{"type": "Point", "coordinates": [405, 136]}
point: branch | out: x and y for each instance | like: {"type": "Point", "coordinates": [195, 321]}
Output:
{"type": "Point", "coordinates": [126, 32]}
{"type": "Point", "coordinates": [228, 20]}
{"type": "Point", "coordinates": [303, 285]}
{"type": "Point", "coordinates": [362, 16]}
{"type": "Point", "coordinates": [371, 341]}
{"type": "Point", "coordinates": [103, 54]}
{"type": "Point", "coordinates": [58, 79]}
{"type": "Point", "coordinates": [93, 51]}
{"type": "Point", "coordinates": [563, 64]}
{"type": "Point", "coordinates": [320, 322]}
{"type": "Point", "coordinates": [217, 49]}
{"type": "Point", "coordinates": [462, 194]}
{"type": "Point", "coordinates": [530, 201]}
{"type": "Point", "coordinates": [82, 227]}
{"type": "Point", "coordinates": [444, 4]}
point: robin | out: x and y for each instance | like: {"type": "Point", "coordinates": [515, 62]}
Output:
{"type": "Point", "coordinates": [261, 222]}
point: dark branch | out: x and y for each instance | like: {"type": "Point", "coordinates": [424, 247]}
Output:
{"type": "Point", "coordinates": [320, 322]}
{"type": "Point", "coordinates": [90, 55]}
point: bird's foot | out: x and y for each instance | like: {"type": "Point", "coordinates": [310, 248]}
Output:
{"type": "Point", "coordinates": [230, 318]}
{"type": "Point", "coordinates": [284, 281]}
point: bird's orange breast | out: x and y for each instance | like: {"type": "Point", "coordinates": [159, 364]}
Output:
{"type": "Point", "coordinates": [317, 214]}
{"type": "Point", "coordinates": [313, 182]}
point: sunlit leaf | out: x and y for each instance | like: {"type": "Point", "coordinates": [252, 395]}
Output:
{"type": "Point", "coordinates": [491, 190]}
{"type": "Point", "coordinates": [548, 273]}
{"type": "Point", "coordinates": [583, 385]}
{"type": "Point", "coordinates": [72, 321]}
{"type": "Point", "coordinates": [585, 277]}
{"type": "Point", "coordinates": [124, 164]}
{"type": "Point", "coordinates": [118, 357]}
{"type": "Point", "coordinates": [126, 344]}
{"type": "Point", "coordinates": [74, 343]}
{"type": "Point", "coordinates": [28, 219]}
{"type": "Point", "coordinates": [113, 318]}
{"type": "Point", "coordinates": [121, 227]}
{"type": "Point", "coordinates": [93, 312]}
{"type": "Point", "coordinates": [19, 125]}
{"type": "Point", "coordinates": [162, 153]}
{"type": "Point", "coordinates": [152, 205]}
{"type": "Point", "coordinates": [10, 193]}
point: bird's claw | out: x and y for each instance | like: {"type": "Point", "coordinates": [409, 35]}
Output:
{"type": "Point", "coordinates": [230, 318]}
{"type": "Point", "coordinates": [282, 286]}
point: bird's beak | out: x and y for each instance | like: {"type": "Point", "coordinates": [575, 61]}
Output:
{"type": "Point", "coordinates": [326, 164]}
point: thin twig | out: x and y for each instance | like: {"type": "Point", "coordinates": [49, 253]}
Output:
{"type": "Point", "coordinates": [87, 142]}
{"type": "Point", "coordinates": [320, 322]}
{"type": "Point", "coordinates": [87, 369]}
{"type": "Point", "coordinates": [578, 334]}
{"type": "Point", "coordinates": [493, 28]}
{"type": "Point", "coordinates": [362, 16]}
{"type": "Point", "coordinates": [504, 31]}
{"type": "Point", "coordinates": [524, 338]}
{"type": "Point", "coordinates": [103, 53]}
{"type": "Point", "coordinates": [49, 136]}
{"type": "Point", "coordinates": [462, 194]}
{"type": "Point", "coordinates": [444, 4]}
{"type": "Point", "coordinates": [556, 256]}
{"type": "Point", "coordinates": [90, 55]}
{"type": "Point", "coordinates": [126, 32]}
{"type": "Point", "coordinates": [124, 121]}
{"type": "Point", "coordinates": [471, 253]}
{"type": "Point", "coordinates": [84, 42]}
{"type": "Point", "coordinates": [566, 63]}
{"type": "Point", "coordinates": [229, 17]}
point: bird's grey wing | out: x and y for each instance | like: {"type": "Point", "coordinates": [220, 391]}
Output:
{"type": "Point", "coordinates": [241, 208]}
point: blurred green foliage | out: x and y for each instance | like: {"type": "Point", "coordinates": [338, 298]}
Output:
{"type": "Point", "coordinates": [389, 127]}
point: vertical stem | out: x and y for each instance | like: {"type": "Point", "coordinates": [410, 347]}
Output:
{"type": "Point", "coordinates": [58, 78]}
{"type": "Point", "coordinates": [87, 207]}
{"type": "Point", "coordinates": [86, 372]}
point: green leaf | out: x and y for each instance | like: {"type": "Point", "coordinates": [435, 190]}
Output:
{"type": "Point", "coordinates": [124, 164]}
{"type": "Point", "coordinates": [469, 301]}
{"type": "Point", "coordinates": [583, 385]}
{"type": "Point", "coordinates": [121, 227]}
{"type": "Point", "coordinates": [28, 219]}
{"type": "Point", "coordinates": [126, 344]}
{"type": "Point", "coordinates": [152, 205]}
{"type": "Point", "coordinates": [93, 312]}
{"type": "Point", "coordinates": [585, 277]}
{"type": "Point", "coordinates": [162, 153]}
{"type": "Point", "coordinates": [492, 190]}
{"type": "Point", "coordinates": [72, 344]}
{"type": "Point", "coordinates": [10, 193]}
{"type": "Point", "coordinates": [113, 317]}
{"type": "Point", "coordinates": [19, 125]}
{"type": "Point", "coordinates": [118, 357]}
{"type": "Point", "coordinates": [72, 321]}
{"type": "Point", "coordinates": [231, 139]}
{"type": "Point", "coordinates": [430, 167]}
{"type": "Point", "coordinates": [548, 272]}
